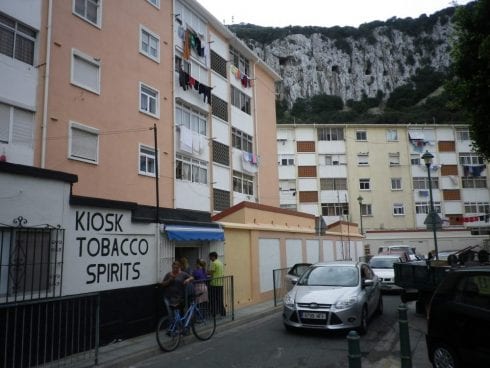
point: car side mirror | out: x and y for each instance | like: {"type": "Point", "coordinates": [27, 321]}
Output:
{"type": "Point", "coordinates": [367, 282]}
{"type": "Point", "coordinates": [294, 280]}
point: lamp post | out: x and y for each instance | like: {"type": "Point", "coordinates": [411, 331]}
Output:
{"type": "Point", "coordinates": [427, 157]}
{"type": "Point", "coordinates": [359, 199]}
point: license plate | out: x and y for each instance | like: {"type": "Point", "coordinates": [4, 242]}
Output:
{"type": "Point", "coordinates": [313, 315]}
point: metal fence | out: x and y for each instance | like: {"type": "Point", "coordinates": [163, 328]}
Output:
{"type": "Point", "coordinates": [218, 296]}
{"type": "Point", "coordinates": [61, 332]}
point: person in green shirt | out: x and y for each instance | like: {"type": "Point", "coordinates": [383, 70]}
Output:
{"type": "Point", "coordinates": [216, 273]}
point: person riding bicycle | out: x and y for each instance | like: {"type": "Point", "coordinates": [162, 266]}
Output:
{"type": "Point", "coordinates": [175, 283]}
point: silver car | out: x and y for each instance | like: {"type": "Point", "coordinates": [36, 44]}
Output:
{"type": "Point", "coordinates": [332, 296]}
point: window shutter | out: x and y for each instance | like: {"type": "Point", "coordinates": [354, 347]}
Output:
{"type": "Point", "coordinates": [4, 123]}
{"type": "Point", "coordinates": [86, 73]}
{"type": "Point", "coordinates": [84, 144]}
{"type": "Point", "coordinates": [23, 128]}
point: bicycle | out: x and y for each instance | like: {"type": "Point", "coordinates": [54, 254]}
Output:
{"type": "Point", "coordinates": [171, 329]}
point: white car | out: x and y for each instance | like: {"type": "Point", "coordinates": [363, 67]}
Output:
{"type": "Point", "coordinates": [382, 266]}
{"type": "Point", "coordinates": [332, 296]}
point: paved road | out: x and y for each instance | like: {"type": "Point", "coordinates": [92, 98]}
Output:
{"type": "Point", "coordinates": [265, 343]}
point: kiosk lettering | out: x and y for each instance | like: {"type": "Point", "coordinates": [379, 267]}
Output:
{"type": "Point", "coordinates": [113, 252]}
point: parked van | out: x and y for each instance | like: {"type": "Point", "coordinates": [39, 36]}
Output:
{"type": "Point", "coordinates": [399, 249]}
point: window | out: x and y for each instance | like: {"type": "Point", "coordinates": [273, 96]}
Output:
{"type": "Point", "coordinates": [16, 126]}
{"type": "Point", "coordinates": [32, 260]}
{"type": "Point", "coordinates": [191, 169]}
{"type": "Point", "coordinates": [218, 64]}
{"type": "Point", "coordinates": [335, 209]}
{"type": "Point", "coordinates": [474, 182]}
{"type": "Point", "coordinates": [415, 159]}
{"type": "Point", "coordinates": [394, 158]}
{"type": "Point", "coordinates": [240, 61]}
{"type": "Point", "coordinates": [191, 118]}
{"type": "Point", "coordinates": [330, 134]}
{"type": "Point", "coordinates": [365, 184]}
{"type": "Point", "coordinates": [366, 210]}
{"type": "Point", "coordinates": [221, 199]}
{"type": "Point", "coordinates": [149, 44]}
{"type": "Point", "coordinates": [363, 159]}
{"type": "Point", "coordinates": [221, 153]}
{"type": "Point", "coordinates": [424, 207]}
{"type": "Point", "coordinates": [241, 140]}
{"type": "Point", "coordinates": [361, 135]}
{"type": "Point", "coordinates": [287, 186]}
{"type": "Point", "coordinates": [149, 100]}
{"type": "Point", "coordinates": [291, 207]}
{"type": "Point", "coordinates": [423, 183]}
{"type": "Point", "coordinates": [83, 143]}
{"type": "Point", "coordinates": [243, 183]}
{"type": "Point", "coordinates": [286, 160]}
{"type": "Point", "coordinates": [219, 107]}
{"type": "Point", "coordinates": [391, 135]}
{"type": "Point", "coordinates": [396, 184]}
{"type": "Point", "coordinates": [182, 64]}
{"type": "Point", "coordinates": [155, 3]}
{"type": "Point", "coordinates": [333, 183]}
{"type": "Point", "coordinates": [240, 100]}
{"type": "Point", "coordinates": [85, 71]}
{"type": "Point", "coordinates": [88, 10]}
{"type": "Point", "coordinates": [463, 134]}
{"type": "Point", "coordinates": [331, 160]}
{"type": "Point", "coordinates": [477, 207]}
{"type": "Point", "coordinates": [469, 158]}
{"type": "Point", "coordinates": [17, 40]}
{"type": "Point", "coordinates": [147, 161]}
{"type": "Point", "coordinates": [398, 209]}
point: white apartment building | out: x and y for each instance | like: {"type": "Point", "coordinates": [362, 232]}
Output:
{"type": "Point", "coordinates": [343, 171]}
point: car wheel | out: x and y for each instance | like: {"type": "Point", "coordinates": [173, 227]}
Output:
{"type": "Point", "coordinates": [379, 308]}
{"type": "Point", "coordinates": [364, 321]}
{"type": "Point", "coordinates": [443, 356]}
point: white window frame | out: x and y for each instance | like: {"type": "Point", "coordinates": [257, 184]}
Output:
{"type": "Point", "coordinates": [197, 169]}
{"type": "Point", "coordinates": [391, 135]}
{"type": "Point", "coordinates": [156, 114]}
{"type": "Point", "coordinates": [366, 209]}
{"type": "Point", "coordinates": [398, 209]}
{"type": "Point", "coordinates": [87, 129]}
{"type": "Point", "coordinates": [97, 24]}
{"type": "Point", "coordinates": [191, 118]}
{"type": "Point", "coordinates": [363, 159]}
{"type": "Point", "coordinates": [415, 159]}
{"type": "Point", "coordinates": [361, 135]}
{"type": "Point", "coordinates": [396, 184]}
{"type": "Point", "coordinates": [463, 134]}
{"type": "Point", "coordinates": [148, 157]}
{"type": "Point", "coordinates": [286, 160]}
{"type": "Point", "coordinates": [156, 37]}
{"type": "Point", "coordinates": [366, 183]}
{"type": "Point", "coordinates": [16, 131]}
{"type": "Point", "coordinates": [394, 158]}
{"type": "Point", "coordinates": [155, 3]}
{"type": "Point", "coordinates": [90, 60]}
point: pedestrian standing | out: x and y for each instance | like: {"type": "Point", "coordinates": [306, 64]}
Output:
{"type": "Point", "coordinates": [216, 273]}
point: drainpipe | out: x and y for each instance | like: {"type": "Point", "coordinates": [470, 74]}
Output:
{"type": "Point", "coordinates": [44, 125]}
{"type": "Point", "coordinates": [256, 136]}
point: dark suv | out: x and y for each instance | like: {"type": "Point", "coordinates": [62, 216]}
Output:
{"type": "Point", "coordinates": [458, 329]}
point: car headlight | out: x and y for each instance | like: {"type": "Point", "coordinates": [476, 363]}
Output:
{"type": "Point", "coordinates": [288, 301]}
{"type": "Point", "coordinates": [346, 303]}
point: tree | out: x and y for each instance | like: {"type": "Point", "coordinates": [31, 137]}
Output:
{"type": "Point", "coordinates": [471, 67]}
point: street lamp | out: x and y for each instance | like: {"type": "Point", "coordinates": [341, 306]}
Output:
{"type": "Point", "coordinates": [359, 199]}
{"type": "Point", "coordinates": [427, 157]}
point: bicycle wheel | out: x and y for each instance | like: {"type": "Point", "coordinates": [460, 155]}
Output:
{"type": "Point", "coordinates": [168, 334]}
{"type": "Point", "coordinates": [203, 323]}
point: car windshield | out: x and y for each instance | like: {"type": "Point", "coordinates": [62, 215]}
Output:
{"type": "Point", "coordinates": [299, 269]}
{"type": "Point", "coordinates": [330, 276]}
{"type": "Point", "coordinates": [382, 262]}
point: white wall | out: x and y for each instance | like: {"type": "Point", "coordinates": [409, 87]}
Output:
{"type": "Point", "coordinates": [269, 259]}
{"type": "Point", "coordinates": [294, 252]}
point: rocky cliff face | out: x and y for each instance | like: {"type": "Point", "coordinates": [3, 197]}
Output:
{"type": "Point", "coordinates": [380, 60]}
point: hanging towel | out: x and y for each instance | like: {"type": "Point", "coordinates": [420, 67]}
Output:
{"type": "Point", "coordinates": [187, 45]}
{"type": "Point", "coordinates": [185, 139]}
{"type": "Point", "coordinates": [196, 144]}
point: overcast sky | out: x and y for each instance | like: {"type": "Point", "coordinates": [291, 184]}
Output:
{"type": "Point", "coordinates": [323, 13]}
